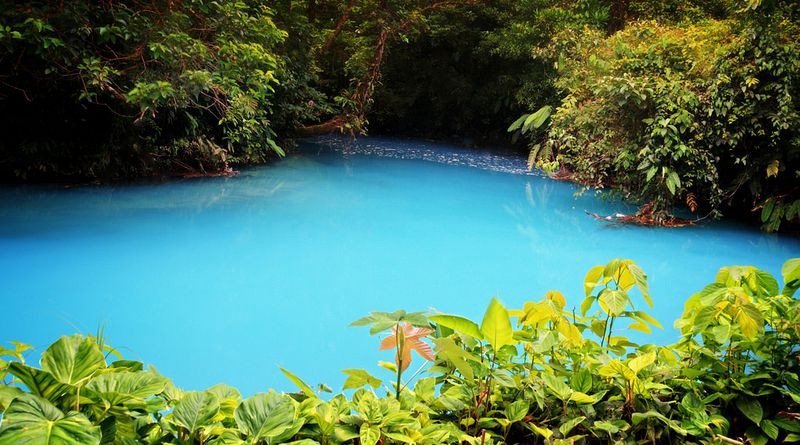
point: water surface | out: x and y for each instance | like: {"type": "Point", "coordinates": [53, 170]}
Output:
{"type": "Point", "coordinates": [225, 279]}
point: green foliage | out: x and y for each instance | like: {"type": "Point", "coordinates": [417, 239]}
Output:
{"type": "Point", "coordinates": [120, 86]}
{"type": "Point", "coordinates": [669, 112]}
{"type": "Point", "coordinates": [540, 374]}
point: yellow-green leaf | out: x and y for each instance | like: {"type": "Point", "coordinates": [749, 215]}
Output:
{"type": "Point", "coordinates": [496, 326]}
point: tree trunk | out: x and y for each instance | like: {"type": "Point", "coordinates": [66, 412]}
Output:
{"type": "Point", "coordinates": [352, 122]}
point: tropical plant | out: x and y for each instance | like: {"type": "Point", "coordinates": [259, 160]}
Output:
{"type": "Point", "coordinates": [540, 374]}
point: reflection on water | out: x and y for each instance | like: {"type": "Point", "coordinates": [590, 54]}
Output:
{"type": "Point", "coordinates": [224, 279]}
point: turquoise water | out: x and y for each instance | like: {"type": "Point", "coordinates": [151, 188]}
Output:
{"type": "Point", "coordinates": [225, 279]}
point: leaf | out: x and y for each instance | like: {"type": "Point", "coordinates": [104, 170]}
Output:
{"type": "Point", "coordinates": [673, 182]}
{"type": "Point", "coordinates": [791, 276]}
{"type": "Point", "coordinates": [356, 378]}
{"type": "Point", "coordinates": [195, 410]}
{"type": "Point", "coordinates": [557, 386]}
{"type": "Point", "coordinates": [33, 420]}
{"type": "Point", "coordinates": [448, 350]}
{"type": "Point", "coordinates": [772, 170]}
{"type": "Point", "coordinates": [640, 362]}
{"type": "Point", "coordinates": [770, 429]}
{"type": "Point", "coordinates": [586, 304]}
{"type": "Point", "coordinates": [299, 383]}
{"type": "Point", "coordinates": [592, 279]}
{"type": "Point", "coordinates": [544, 432]}
{"type": "Point", "coordinates": [750, 321]}
{"type": "Point", "coordinates": [267, 417]}
{"type": "Point", "coordinates": [459, 324]}
{"type": "Point", "coordinates": [517, 123]}
{"type": "Point", "coordinates": [613, 302]}
{"type": "Point", "coordinates": [647, 318]}
{"type": "Point", "coordinates": [516, 411]}
{"type": "Point", "coordinates": [582, 398]}
{"type": "Point", "coordinates": [7, 395]}
{"type": "Point", "coordinates": [581, 380]}
{"type": "Point", "coordinates": [119, 387]}
{"type": "Point", "coordinates": [38, 382]}
{"type": "Point", "coordinates": [425, 389]}
{"type": "Point", "coordinates": [568, 426]}
{"type": "Point", "coordinates": [369, 434]}
{"type": "Point", "coordinates": [641, 327]}
{"type": "Point", "coordinates": [537, 119]}
{"type": "Point", "coordinates": [73, 360]}
{"type": "Point", "coordinates": [637, 418]}
{"type": "Point", "coordinates": [640, 279]}
{"type": "Point", "coordinates": [496, 326]}
{"type": "Point", "coordinates": [751, 408]}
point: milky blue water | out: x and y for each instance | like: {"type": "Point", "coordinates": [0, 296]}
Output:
{"type": "Point", "coordinates": [225, 279]}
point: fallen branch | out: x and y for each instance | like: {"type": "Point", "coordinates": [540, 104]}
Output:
{"type": "Point", "coordinates": [646, 217]}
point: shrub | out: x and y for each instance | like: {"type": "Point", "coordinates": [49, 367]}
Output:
{"type": "Point", "coordinates": [703, 112]}
{"type": "Point", "coordinates": [553, 376]}
{"type": "Point", "coordinates": [122, 88]}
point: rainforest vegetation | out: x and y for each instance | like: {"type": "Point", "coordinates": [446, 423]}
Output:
{"type": "Point", "coordinates": [543, 373]}
{"type": "Point", "coordinates": [674, 104]}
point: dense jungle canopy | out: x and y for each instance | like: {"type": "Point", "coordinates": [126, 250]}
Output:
{"type": "Point", "coordinates": [671, 103]}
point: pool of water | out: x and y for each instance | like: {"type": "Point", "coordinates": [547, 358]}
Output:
{"type": "Point", "coordinates": [225, 279]}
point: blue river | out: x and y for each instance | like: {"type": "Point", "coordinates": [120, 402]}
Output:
{"type": "Point", "coordinates": [226, 279]}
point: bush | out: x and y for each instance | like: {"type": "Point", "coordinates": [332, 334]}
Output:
{"type": "Point", "coordinates": [553, 377]}
{"type": "Point", "coordinates": [703, 113]}
{"type": "Point", "coordinates": [121, 88]}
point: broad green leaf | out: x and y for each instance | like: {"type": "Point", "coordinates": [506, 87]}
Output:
{"type": "Point", "coordinates": [496, 326]}
{"type": "Point", "coordinates": [458, 324]}
{"type": "Point", "coordinates": [447, 349]}
{"type": "Point", "coordinates": [616, 368]}
{"type": "Point", "coordinates": [7, 395]}
{"type": "Point", "coordinates": [640, 278]}
{"type": "Point", "coordinates": [568, 426]}
{"type": "Point", "coordinates": [750, 320]}
{"type": "Point", "coordinates": [581, 381]}
{"type": "Point", "coordinates": [267, 417]}
{"type": "Point", "coordinates": [544, 432]}
{"type": "Point", "coordinates": [570, 332]}
{"type": "Point", "coordinates": [299, 383]}
{"type": "Point", "coordinates": [557, 386]}
{"type": "Point", "coordinates": [751, 408]}
{"type": "Point", "coordinates": [763, 283]}
{"type": "Point", "coordinates": [606, 426]}
{"type": "Point", "coordinates": [425, 389]}
{"type": "Point", "coordinates": [613, 302]}
{"type": "Point", "coordinates": [73, 360]}
{"type": "Point", "coordinates": [637, 418]}
{"type": "Point", "coordinates": [516, 410]}
{"type": "Point", "coordinates": [770, 429]}
{"type": "Point", "coordinates": [791, 276]}
{"type": "Point", "coordinates": [118, 387]}
{"type": "Point", "coordinates": [356, 378]}
{"type": "Point", "coordinates": [369, 434]}
{"type": "Point", "coordinates": [582, 398]}
{"type": "Point", "coordinates": [537, 119]}
{"type": "Point", "coordinates": [195, 411]}
{"type": "Point", "coordinates": [35, 421]}
{"type": "Point", "coordinates": [517, 123]}
{"type": "Point", "coordinates": [40, 383]}
{"type": "Point", "coordinates": [642, 361]}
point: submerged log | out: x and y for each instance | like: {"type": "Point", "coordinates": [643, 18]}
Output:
{"type": "Point", "coordinates": [646, 216]}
